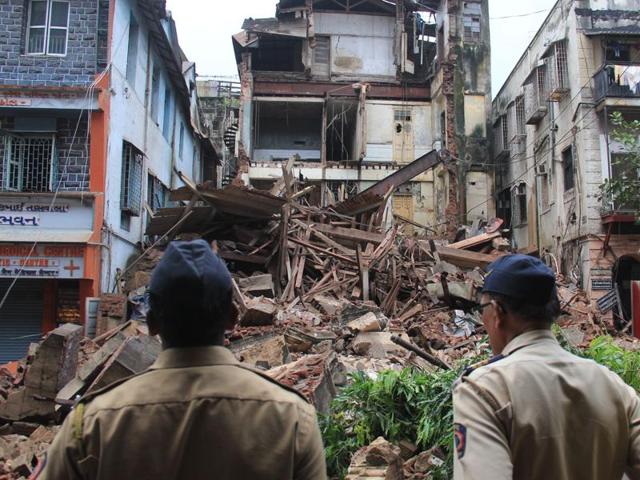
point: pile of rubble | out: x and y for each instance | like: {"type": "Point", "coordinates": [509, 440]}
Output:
{"type": "Point", "coordinates": [38, 392]}
{"type": "Point", "coordinates": [321, 293]}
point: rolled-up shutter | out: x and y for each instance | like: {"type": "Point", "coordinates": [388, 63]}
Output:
{"type": "Point", "coordinates": [20, 317]}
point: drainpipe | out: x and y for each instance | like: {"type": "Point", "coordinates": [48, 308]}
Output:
{"type": "Point", "coordinates": [147, 96]}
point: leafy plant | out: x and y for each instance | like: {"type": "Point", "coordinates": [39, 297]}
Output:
{"type": "Point", "coordinates": [625, 363]}
{"type": "Point", "coordinates": [406, 405]}
{"type": "Point", "coordinates": [623, 189]}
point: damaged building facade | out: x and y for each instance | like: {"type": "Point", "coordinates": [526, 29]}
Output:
{"type": "Point", "coordinates": [98, 111]}
{"type": "Point", "coordinates": [553, 145]}
{"type": "Point", "coordinates": [355, 90]}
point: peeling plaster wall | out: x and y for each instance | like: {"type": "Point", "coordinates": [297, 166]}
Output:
{"type": "Point", "coordinates": [361, 45]}
{"type": "Point", "coordinates": [380, 129]}
{"type": "Point", "coordinates": [570, 122]}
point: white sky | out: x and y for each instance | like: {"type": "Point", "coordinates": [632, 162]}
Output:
{"type": "Point", "coordinates": [205, 28]}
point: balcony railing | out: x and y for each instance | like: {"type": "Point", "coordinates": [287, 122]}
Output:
{"type": "Point", "coordinates": [617, 81]}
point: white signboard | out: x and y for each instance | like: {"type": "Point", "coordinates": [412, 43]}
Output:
{"type": "Point", "coordinates": [45, 261]}
{"type": "Point", "coordinates": [38, 213]}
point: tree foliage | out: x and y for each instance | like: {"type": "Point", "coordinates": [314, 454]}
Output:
{"type": "Point", "coordinates": [622, 190]}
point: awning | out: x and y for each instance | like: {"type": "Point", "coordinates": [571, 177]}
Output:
{"type": "Point", "coordinates": [21, 235]}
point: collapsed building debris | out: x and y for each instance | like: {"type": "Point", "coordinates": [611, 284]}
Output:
{"type": "Point", "coordinates": [321, 293]}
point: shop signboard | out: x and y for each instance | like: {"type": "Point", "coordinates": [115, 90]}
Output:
{"type": "Point", "coordinates": [54, 261]}
{"type": "Point", "coordinates": [40, 213]}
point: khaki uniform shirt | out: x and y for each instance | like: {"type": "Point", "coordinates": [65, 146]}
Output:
{"type": "Point", "coordinates": [543, 413]}
{"type": "Point", "coordinates": [196, 414]}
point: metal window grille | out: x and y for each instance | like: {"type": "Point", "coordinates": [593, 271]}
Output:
{"type": "Point", "coordinates": [521, 128]}
{"type": "Point", "coordinates": [562, 70]}
{"type": "Point", "coordinates": [501, 135]}
{"type": "Point", "coordinates": [48, 27]}
{"type": "Point", "coordinates": [29, 163]}
{"type": "Point", "coordinates": [520, 204]}
{"type": "Point", "coordinates": [131, 187]}
{"type": "Point", "coordinates": [157, 193]}
{"type": "Point", "coordinates": [471, 21]}
{"type": "Point", "coordinates": [567, 167]}
{"type": "Point", "coordinates": [321, 50]}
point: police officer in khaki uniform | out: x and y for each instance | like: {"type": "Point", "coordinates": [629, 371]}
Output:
{"type": "Point", "coordinates": [535, 411]}
{"type": "Point", "coordinates": [197, 413]}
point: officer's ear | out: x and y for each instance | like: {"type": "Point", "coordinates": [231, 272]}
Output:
{"type": "Point", "coordinates": [153, 323]}
{"type": "Point", "coordinates": [232, 318]}
{"type": "Point", "coordinates": [501, 313]}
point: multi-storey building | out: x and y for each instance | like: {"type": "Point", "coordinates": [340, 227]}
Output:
{"type": "Point", "coordinates": [553, 145]}
{"type": "Point", "coordinates": [355, 90]}
{"type": "Point", "coordinates": [96, 107]}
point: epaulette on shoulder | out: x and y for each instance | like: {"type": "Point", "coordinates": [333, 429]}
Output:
{"type": "Point", "coordinates": [472, 368]}
{"type": "Point", "coordinates": [90, 396]}
{"type": "Point", "coordinates": [272, 380]}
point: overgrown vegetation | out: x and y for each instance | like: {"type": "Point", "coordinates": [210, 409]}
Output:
{"type": "Point", "coordinates": [417, 406]}
{"type": "Point", "coordinates": [407, 405]}
{"type": "Point", "coordinates": [625, 363]}
{"type": "Point", "coordinates": [622, 190]}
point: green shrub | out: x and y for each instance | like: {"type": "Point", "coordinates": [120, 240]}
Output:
{"type": "Point", "coordinates": [625, 363]}
{"type": "Point", "coordinates": [406, 405]}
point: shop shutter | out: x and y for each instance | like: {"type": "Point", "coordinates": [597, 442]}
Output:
{"type": "Point", "coordinates": [20, 317]}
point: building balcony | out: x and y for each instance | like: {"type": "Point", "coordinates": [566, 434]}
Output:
{"type": "Point", "coordinates": [621, 81]}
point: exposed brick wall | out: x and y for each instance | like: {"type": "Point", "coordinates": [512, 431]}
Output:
{"type": "Point", "coordinates": [73, 155]}
{"type": "Point", "coordinates": [77, 68]}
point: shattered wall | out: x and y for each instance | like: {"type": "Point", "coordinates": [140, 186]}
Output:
{"type": "Point", "coordinates": [361, 45]}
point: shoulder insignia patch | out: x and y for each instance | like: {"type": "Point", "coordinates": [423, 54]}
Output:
{"type": "Point", "coordinates": [460, 439]}
{"type": "Point", "coordinates": [469, 370]}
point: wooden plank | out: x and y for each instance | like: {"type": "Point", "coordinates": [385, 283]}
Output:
{"type": "Point", "coordinates": [466, 258]}
{"type": "Point", "coordinates": [352, 234]}
{"type": "Point", "coordinates": [244, 258]}
{"type": "Point", "coordinates": [322, 250]}
{"type": "Point", "coordinates": [475, 241]}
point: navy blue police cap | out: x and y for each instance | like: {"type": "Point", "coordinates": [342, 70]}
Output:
{"type": "Point", "coordinates": [191, 270]}
{"type": "Point", "coordinates": [520, 276]}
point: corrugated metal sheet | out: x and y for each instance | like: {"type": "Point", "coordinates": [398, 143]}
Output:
{"type": "Point", "coordinates": [20, 317]}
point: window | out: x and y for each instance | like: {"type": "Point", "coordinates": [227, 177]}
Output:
{"type": "Point", "coordinates": [132, 52]}
{"type": "Point", "coordinates": [543, 186]}
{"type": "Point", "coordinates": [520, 204]}
{"type": "Point", "coordinates": [567, 168]}
{"type": "Point", "coordinates": [29, 163]}
{"type": "Point", "coordinates": [181, 142]}
{"type": "Point", "coordinates": [556, 69]}
{"type": "Point", "coordinates": [402, 115]}
{"type": "Point", "coordinates": [131, 186]}
{"type": "Point", "coordinates": [322, 50]}
{"type": "Point", "coordinates": [617, 51]}
{"type": "Point", "coordinates": [48, 27]}
{"type": "Point", "coordinates": [521, 128]}
{"type": "Point", "coordinates": [166, 123]}
{"type": "Point", "coordinates": [155, 93]}
{"type": "Point", "coordinates": [471, 21]}
{"type": "Point", "coordinates": [157, 193]}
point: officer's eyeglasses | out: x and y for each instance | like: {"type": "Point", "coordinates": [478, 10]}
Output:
{"type": "Point", "coordinates": [482, 306]}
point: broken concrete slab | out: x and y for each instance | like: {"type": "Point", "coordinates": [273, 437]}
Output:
{"type": "Point", "coordinates": [380, 460]}
{"type": "Point", "coordinates": [53, 366]}
{"type": "Point", "coordinates": [299, 340]}
{"type": "Point", "coordinates": [258, 285]}
{"type": "Point", "coordinates": [368, 322]}
{"type": "Point", "coordinates": [135, 355]}
{"type": "Point", "coordinates": [263, 352]}
{"type": "Point", "coordinates": [260, 311]}
{"type": "Point", "coordinates": [376, 345]}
